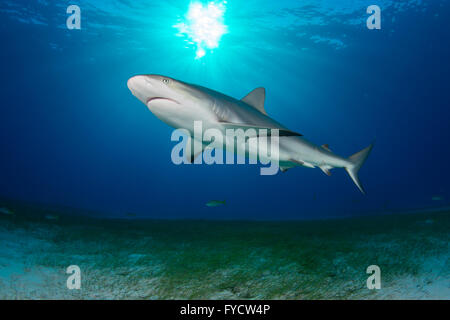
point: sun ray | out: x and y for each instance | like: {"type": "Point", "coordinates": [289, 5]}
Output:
{"type": "Point", "coordinates": [203, 26]}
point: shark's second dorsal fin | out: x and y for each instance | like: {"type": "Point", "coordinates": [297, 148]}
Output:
{"type": "Point", "coordinates": [256, 99]}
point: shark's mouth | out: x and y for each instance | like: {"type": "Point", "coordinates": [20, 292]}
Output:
{"type": "Point", "coordinates": [161, 99]}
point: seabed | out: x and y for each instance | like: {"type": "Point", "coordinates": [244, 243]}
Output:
{"type": "Point", "coordinates": [127, 259]}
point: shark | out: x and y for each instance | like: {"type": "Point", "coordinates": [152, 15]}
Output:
{"type": "Point", "coordinates": [180, 104]}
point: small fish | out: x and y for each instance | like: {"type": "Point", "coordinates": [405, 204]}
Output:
{"type": "Point", "coordinates": [215, 203]}
{"type": "Point", "coordinates": [6, 211]}
{"type": "Point", "coordinates": [51, 217]}
{"type": "Point", "coordinates": [437, 198]}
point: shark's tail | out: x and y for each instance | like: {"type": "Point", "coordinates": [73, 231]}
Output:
{"type": "Point", "coordinates": [356, 162]}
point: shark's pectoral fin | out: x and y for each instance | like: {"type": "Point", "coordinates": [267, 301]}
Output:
{"type": "Point", "coordinates": [326, 170]}
{"type": "Point", "coordinates": [256, 99]}
{"type": "Point", "coordinates": [191, 154]}
{"type": "Point", "coordinates": [302, 163]}
{"type": "Point", "coordinates": [282, 132]}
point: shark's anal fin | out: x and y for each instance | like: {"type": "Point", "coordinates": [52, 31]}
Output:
{"type": "Point", "coordinates": [282, 132]}
{"type": "Point", "coordinates": [256, 99]}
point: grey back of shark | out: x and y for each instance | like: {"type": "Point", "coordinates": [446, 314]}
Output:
{"type": "Point", "coordinates": [179, 104]}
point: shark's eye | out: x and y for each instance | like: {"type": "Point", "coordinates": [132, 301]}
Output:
{"type": "Point", "coordinates": [166, 81]}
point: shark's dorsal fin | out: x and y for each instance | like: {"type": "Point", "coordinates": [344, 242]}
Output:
{"type": "Point", "coordinates": [256, 99]}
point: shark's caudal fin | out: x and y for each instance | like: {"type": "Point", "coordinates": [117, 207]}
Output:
{"type": "Point", "coordinates": [357, 160]}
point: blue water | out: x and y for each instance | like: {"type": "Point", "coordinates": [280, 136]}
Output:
{"type": "Point", "coordinates": [72, 134]}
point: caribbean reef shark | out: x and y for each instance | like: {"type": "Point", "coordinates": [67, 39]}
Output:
{"type": "Point", "coordinates": [180, 104]}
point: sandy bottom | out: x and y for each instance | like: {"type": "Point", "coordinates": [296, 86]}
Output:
{"type": "Point", "coordinates": [226, 260]}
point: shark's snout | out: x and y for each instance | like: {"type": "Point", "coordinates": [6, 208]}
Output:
{"type": "Point", "coordinates": [150, 88]}
{"type": "Point", "coordinates": [140, 87]}
{"type": "Point", "coordinates": [133, 83]}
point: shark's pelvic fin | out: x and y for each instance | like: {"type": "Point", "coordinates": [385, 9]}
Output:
{"type": "Point", "coordinates": [356, 162]}
{"type": "Point", "coordinates": [282, 131]}
{"type": "Point", "coordinates": [256, 99]}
